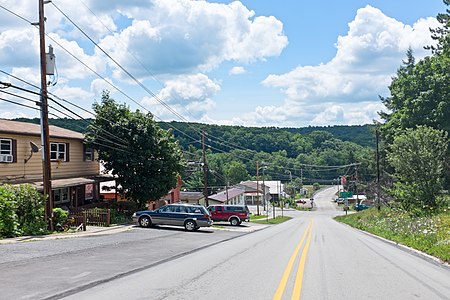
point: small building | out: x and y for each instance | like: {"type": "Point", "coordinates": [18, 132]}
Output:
{"type": "Point", "coordinates": [75, 170]}
{"type": "Point", "coordinates": [228, 196]}
{"type": "Point", "coordinates": [253, 192]}
{"type": "Point", "coordinates": [276, 189]}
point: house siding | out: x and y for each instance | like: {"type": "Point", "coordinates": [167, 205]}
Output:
{"type": "Point", "coordinates": [32, 169]}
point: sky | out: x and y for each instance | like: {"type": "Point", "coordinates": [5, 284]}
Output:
{"type": "Point", "coordinates": [285, 63]}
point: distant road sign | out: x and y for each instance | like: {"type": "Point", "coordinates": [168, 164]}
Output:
{"type": "Point", "coordinates": [346, 194]}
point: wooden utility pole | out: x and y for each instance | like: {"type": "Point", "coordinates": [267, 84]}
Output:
{"type": "Point", "coordinates": [378, 171]}
{"type": "Point", "coordinates": [45, 133]}
{"type": "Point", "coordinates": [205, 183]}
{"type": "Point", "coordinates": [257, 189]}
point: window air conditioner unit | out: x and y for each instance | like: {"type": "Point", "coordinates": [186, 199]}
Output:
{"type": "Point", "coordinates": [6, 158]}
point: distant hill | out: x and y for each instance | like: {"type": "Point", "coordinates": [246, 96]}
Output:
{"type": "Point", "coordinates": [358, 134]}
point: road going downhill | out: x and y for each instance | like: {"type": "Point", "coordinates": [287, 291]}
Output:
{"type": "Point", "coordinates": [309, 257]}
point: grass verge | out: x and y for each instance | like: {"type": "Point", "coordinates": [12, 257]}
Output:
{"type": "Point", "coordinates": [429, 234]}
{"type": "Point", "coordinates": [277, 220]}
{"type": "Point", "coordinates": [257, 217]}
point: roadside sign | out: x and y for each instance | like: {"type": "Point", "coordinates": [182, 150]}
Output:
{"type": "Point", "coordinates": [346, 195]}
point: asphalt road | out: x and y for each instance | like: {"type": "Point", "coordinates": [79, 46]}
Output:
{"type": "Point", "coordinates": [309, 257]}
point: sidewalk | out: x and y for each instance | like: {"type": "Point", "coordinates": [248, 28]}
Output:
{"type": "Point", "coordinates": [90, 231]}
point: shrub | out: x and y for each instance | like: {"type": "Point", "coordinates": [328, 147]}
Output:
{"type": "Point", "coordinates": [8, 216]}
{"type": "Point", "coordinates": [59, 218]}
{"type": "Point", "coordinates": [21, 211]}
{"type": "Point", "coordinates": [30, 210]}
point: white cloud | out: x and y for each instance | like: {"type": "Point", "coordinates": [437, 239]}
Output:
{"type": "Point", "coordinates": [237, 71]}
{"type": "Point", "coordinates": [183, 36]}
{"type": "Point", "coordinates": [366, 59]}
{"type": "Point", "coordinates": [189, 95]}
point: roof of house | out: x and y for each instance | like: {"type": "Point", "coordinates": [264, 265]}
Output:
{"type": "Point", "coordinates": [193, 196]}
{"type": "Point", "coordinates": [24, 128]}
{"type": "Point", "coordinates": [252, 185]}
{"type": "Point", "coordinates": [222, 196]}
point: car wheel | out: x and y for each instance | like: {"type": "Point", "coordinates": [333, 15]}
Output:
{"type": "Point", "coordinates": [234, 221]}
{"type": "Point", "coordinates": [190, 225]}
{"type": "Point", "coordinates": [145, 221]}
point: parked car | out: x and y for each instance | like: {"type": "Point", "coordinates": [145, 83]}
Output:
{"type": "Point", "coordinates": [300, 201]}
{"type": "Point", "coordinates": [235, 214]}
{"type": "Point", "coordinates": [190, 216]}
{"type": "Point", "coordinates": [359, 207]}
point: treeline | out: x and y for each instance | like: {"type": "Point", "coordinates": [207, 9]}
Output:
{"type": "Point", "coordinates": [288, 153]}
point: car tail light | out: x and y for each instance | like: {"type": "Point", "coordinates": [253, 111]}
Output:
{"type": "Point", "coordinates": [206, 216]}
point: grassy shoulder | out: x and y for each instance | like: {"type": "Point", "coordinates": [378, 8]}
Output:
{"type": "Point", "coordinates": [429, 234]}
{"type": "Point", "coordinates": [271, 221]}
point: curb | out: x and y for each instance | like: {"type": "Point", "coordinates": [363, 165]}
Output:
{"type": "Point", "coordinates": [57, 236]}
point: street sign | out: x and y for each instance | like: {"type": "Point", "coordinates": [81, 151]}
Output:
{"type": "Point", "coordinates": [346, 195]}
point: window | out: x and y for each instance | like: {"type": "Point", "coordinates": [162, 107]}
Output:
{"type": "Point", "coordinates": [6, 146]}
{"type": "Point", "coordinates": [58, 151]}
{"type": "Point", "coordinates": [61, 195]}
{"type": "Point", "coordinates": [88, 153]}
{"type": "Point", "coordinates": [8, 151]}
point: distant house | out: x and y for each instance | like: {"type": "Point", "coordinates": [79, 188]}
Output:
{"type": "Point", "coordinates": [108, 191]}
{"type": "Point", "coordinates": [192, 197]}
{"type": "Point", "coordinates": [230, 196]}
{"type": "Point", "coordinates": [276, 189]}
{"type": "Point", "coordinates": [75, 170]}
{"type": "Point", "coordinates": [253, 192]}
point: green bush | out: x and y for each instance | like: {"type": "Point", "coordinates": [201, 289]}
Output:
{"type": "Point", "coordinates": [8, 217]}
{"type": "Point", "coordinates": [21, 211]}
{"type": "Point", "coordinates": [59, 218]}
{"type": "Point", "coordinates": [30, 210]}
{"type": "Point", "coordinates": [316, 186]}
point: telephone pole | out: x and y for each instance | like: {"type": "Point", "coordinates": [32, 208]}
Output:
{"type": "Point", "coordinates": [378, 171]}
{"type": "Point", "coordinates": [257, 189]}
{"type": "Point", "coordinates": [45, 133]}
{"type": "Point", "coordinates": [205, 184]}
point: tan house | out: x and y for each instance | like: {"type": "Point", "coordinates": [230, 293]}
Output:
{"type": "Point", "coordinates": [75, 170]}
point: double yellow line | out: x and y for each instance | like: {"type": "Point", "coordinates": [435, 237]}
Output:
{"type": "Point", "coordinates": [301, 267]}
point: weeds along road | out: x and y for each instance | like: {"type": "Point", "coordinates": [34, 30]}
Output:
{"type": "Point", "coordinates": [308, 257]}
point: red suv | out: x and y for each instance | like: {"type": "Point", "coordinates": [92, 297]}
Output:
{"type": "Point", "coordinates": [235, 214]}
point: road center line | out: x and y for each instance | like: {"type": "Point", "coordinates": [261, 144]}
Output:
{"type": "Point", "coordinates": [301, 268]}
{"type": "Point", "coordinates": [280, 290]}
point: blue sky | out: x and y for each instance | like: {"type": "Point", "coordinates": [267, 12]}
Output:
{"type": "Point", "coordinates": [253, 63]}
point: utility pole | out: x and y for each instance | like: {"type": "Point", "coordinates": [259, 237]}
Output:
{"type": "Point", "coordinates": [205, 184]}
{"type": "Point", "coordinates": [257, 189]}
{"type": "Point", "coordinates": [264, 188]}
{"type": "Point", "coordinates": [227, 183]}
{"type": "Point", "coordinates": [45, 133]}
{"type": "Point", "coordinates": [356, 184]}
{"type": "Point", "coordinates": [282, 204]}
{"type": "Point", "coordinates": [378, 171]}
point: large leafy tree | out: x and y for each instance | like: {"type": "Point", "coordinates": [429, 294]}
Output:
{"type": "Point", "coordinates": [420, 92]}
{"type": "Point", "coordinates": [418, 157]}
{"type": "Point", "coordinates": [236, 172]}
{"type": "Point", "coordinates": [145, 158]}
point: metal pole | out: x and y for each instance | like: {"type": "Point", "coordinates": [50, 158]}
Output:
{"type": "Point", "coordinates": [45, 133]}
{"type": "Point", "coordinates": [205, 183]}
